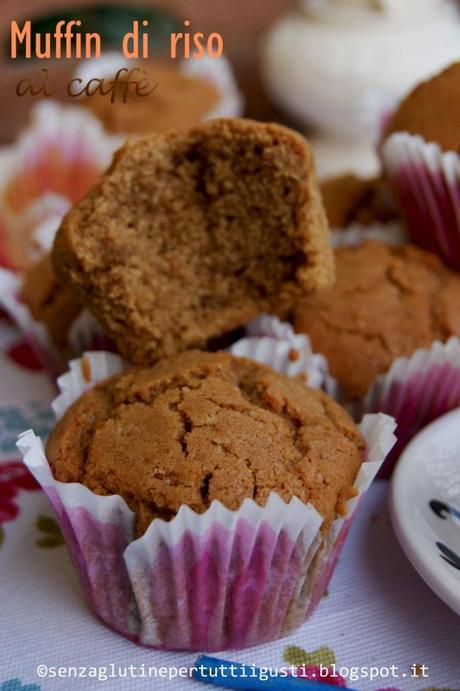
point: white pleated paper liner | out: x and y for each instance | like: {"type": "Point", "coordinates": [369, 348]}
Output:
{"type": "Point", "coordinates": [222, 579]}
{"type": "Point", "coordinates": [274, 343]}
{"type": "Point", "coordinates": [84, 334]}
{"type": "Point", "coordinates": [427, 182]}
{"type": "Point", "coordinates": [415, 390]}
{"type": "Point", "coordinates": [34, 332]}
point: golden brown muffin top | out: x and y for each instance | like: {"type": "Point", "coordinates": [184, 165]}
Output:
{"type": "Point", "coordinates": [432, 110]}
{"type": "Point", "coordinates": [177, 101]}
{"type": "Point", "coordinates": [350, 199]}
{"type": "Point", "coordinates": [204, 426]}
{"type": "Point", "coordinates": [191, 234]}
{"type": "Point", "coordinates": [387, 302]}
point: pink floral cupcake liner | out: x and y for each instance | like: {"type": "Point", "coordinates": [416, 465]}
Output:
{"type": "Point", "coordinates": [415, 390]}
{"type": "Point", "coordinates": [427, 182]}
{"type": "Point", "coordinates": [218, 580]}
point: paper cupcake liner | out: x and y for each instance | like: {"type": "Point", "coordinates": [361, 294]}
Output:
{"type": "Point", "coordinates": [84, 334]}
{"type": "Point", "coordinates": [28, 234]}
{"type": "Point", "coordinates": [63, 151]}
{"type": "Point", "coordinates": [52, 165]}
{"type": "Point", "coordinates": [222, 579]}
{"type": "Point", "coordinates": [34, 332]}
{"type": "Point", "coordinates": [427, 182]}
{"type": "Point", "coordinates": [274, 343]}
{"type": "Point", "coordinates": [415, 391]}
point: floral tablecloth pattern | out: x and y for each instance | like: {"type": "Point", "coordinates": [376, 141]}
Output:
{"type": "Point", "coordinates": [378, 612]}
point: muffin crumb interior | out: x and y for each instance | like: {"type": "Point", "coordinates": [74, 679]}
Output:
{"type": "Point", "coordinates": [191, 234]}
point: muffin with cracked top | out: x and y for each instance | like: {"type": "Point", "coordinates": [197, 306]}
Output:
{"type": "Point", "coordinates": [204, 426]}
{"type": "Point", "coordinates": [387, 302]}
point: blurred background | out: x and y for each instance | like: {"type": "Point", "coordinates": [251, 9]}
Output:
{"type": "Point", "coordinates": [331, 68]}
{"type": "Point", "coordinates": [241, 22]}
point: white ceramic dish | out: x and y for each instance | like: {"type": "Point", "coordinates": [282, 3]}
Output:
{"type": "Point", "coordinates": [425, 506]}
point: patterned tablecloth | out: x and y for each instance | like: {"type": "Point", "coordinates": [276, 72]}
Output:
{"type": "Point", "coordinates": [378, 612]}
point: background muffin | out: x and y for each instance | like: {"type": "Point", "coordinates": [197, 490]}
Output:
{"type": "Point", "coordinates": [174, 100]}
{"type": "Point", "coordinates": [432, 110]}
{"type": "Point", "coordinates": [420, 152]}
{"type": "Point", "coordinates": [387, 302]}
{"type": "Point", "coordinates": [349, 199]}
{"type": "Point", "coordinates": [389, 331]}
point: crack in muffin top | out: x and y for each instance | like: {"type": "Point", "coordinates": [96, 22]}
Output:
{"type": "Point", "coordinates": [387, 302]}
{"type": "Point", "coordinates": [204, 426]}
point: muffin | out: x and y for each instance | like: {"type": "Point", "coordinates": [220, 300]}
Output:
{"type": "Point", "coordinates": [349, 199]}
{"type": "Point", "coordinates": [173, 100]}
{"type": "Point", "coordinates": [386, 302]}
{"type": "Point", "coordinates": [191, 234]}
{"type": "Point", "coordinates": [420, 152]}
{"type": "Point", "coordinates": [432, 110]}
{"type": "Point", "coordinates": [389, 329]}
{"type": "Point", "coordinates": [204, 499]}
